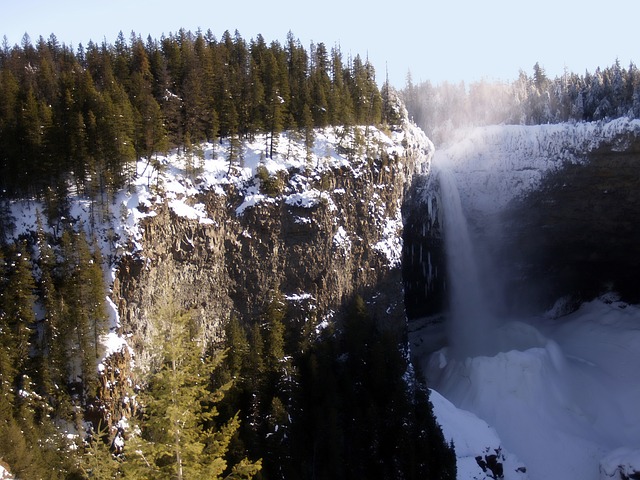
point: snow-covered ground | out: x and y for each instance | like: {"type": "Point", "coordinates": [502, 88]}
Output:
{"type": "Point", "coordinates": [5, 474]}
{"type": "Point", "coordinates": [560, 395]}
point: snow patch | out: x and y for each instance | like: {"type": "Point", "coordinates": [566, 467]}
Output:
{"type": "Point", "coordinates": [473, 438]}
{"type": "Point", "coordinates": [299, 297]}
{"type": "Point", "coordinates": [390, 244]}
{"type": "Point", "coordinates": [195, 212]}
{"type": "Point", "coordinates": [308, 199]}
{"type": "Point", "coordinates": [5, 474]}
{"type": "Point", "coordinates": [341, 239]}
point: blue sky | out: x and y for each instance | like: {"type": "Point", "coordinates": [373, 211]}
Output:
{"type": "Point", "coordinates": [445, 40]}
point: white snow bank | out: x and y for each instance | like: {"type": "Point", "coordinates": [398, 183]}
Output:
{"type": "Point", "coordinates": [195, 212]}
{"type": "Point", "coordinates": [621, 463]}
{"type": "Point", "coordinates": [5, 474]}
{"type": "Point", "coordinates": [473, 437]}
{"type": "Point", "coordinates": [309, 199]}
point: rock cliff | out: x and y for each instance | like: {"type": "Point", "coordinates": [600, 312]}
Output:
{"type": "Point", "coordinates": [318, 230]}
{"type": "Point", "coordinates": [577, 235]}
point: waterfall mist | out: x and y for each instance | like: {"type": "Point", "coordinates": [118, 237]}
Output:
{"type": "Point", "coordinates": [471, 322]}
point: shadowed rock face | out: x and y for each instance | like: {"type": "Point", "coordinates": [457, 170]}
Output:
{"type": "Point", "coordinates": [423, 265]}
{"type": "Point", "coordinates": [579, 234]}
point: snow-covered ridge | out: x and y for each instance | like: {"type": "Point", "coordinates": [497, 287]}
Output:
{"type": "Point", "coordinates": [177, 178]}
{"type": "Point", "coordinates": [210, 171]}
{"type": "Point", "coordinates": [496, 164]}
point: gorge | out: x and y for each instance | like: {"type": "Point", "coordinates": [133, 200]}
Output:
{"type": "Point", "coordinates": [517, 267]}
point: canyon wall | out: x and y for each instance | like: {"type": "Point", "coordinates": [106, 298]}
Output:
{"type": "Point", "coordinates": [319, 244]}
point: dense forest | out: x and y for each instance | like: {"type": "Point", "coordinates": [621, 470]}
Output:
{"type": "Point", "coordinates": [85, 116]}
{"type": "Point", "coordinates": [534, 99]}
{"type": "Point", "coordinates": [275, 401]}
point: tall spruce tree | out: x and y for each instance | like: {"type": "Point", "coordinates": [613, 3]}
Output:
{"type": "Point", "coordinates": [84, 307]}
{"type": "Point", "coordinates": [179, 439]}
{"type": "Point", "coordinates": [18, 315]}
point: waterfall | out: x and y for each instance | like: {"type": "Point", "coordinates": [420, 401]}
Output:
{"type": "Point", "coordinates": [471, 322]}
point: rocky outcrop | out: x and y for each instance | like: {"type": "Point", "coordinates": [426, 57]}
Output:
{"type": "Point", "coordinates": [319, 244]}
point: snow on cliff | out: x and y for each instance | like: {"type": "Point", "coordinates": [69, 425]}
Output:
{"type": "Point", "coordinates": [179, 177]}
{"type": "Point", "coordinates": [495, 164]}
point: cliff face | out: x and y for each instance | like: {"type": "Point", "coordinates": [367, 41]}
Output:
{"type": "Point", "coordinates": [330, 228]}
{"type": "Point", "coordinates": [423, 261]}
{"type": "Point", "coordinates": [553, 209]}
{"type": "Point", "coordinates": [578, 234]}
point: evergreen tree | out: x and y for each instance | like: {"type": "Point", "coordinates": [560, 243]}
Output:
{"type": "Point", "coordinates": [308, 134]}
{"type": "Point", "coordinates": [97, 461]}
{"type": "Point", "coordinates": [358, 407]}
{"type": "Point", "coordinates": [17, 310]}
{"type": "Point", "coordinates": [178, 439]}
{"type": "Point", "coordinates": [9, 153]}
{"type": "Point", "coordinates": [84, 308]}
{"type": "Point", "coordinates": [116, 124]}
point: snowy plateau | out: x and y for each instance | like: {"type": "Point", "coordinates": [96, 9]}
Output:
{"type": "Point", "coordinates": [553, 396]}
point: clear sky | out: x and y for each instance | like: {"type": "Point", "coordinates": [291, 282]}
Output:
{"type": "Point", "coordinates": [443, 40]}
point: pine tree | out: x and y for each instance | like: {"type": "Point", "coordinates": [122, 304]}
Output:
{"type": "Point", "coordinates": [84, 307]}
{"type": "Point", "coordinates": [308, 134]}
{"type": "Point", "coordinates": [18, 309]}
{"type": "Point", "coordinates": [178, 438]}
{"type": "Point", "coordinates": [390, 104]}
{"type": "Point", "coordinates": [7, 365]}
{"type": "Point", "coordinates": [116, 125]}
{"type": "Point", "coordinates": [98, 461]}
{"type": "Point", "coordinates": [239, 348]}
{"type": "Point", "coordinates": [320, 85]}
{"type": "Point", "coordinates": [274, 316]}
{"type": "Point", "coordinates": [297, 68]}
{"type": "Point", "coordinates": [9, 158]}
{"type": "Point", "coordinates": [48, 374]}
